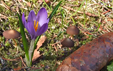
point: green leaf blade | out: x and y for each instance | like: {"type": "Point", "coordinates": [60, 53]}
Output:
{"type": "Point", "coordinates": [23, 37]}
{"type": "Point", "coordinates": [54, 10]}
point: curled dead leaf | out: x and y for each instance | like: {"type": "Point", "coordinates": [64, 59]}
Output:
{"type": "Point", "coordinates": [39, 44]}
{"type": "Point", "coordinates": [36, 55]}
{"type": "Point", "coordinates": [41, 41]}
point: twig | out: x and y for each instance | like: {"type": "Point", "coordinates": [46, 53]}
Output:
{"type": "Point", "coordinates": [22, 61]}
{"type": "Point", "coordinates": [106, 11]}
{"type": "Point", "coordinates": [55, 46]}
{"type": "Point", "coordinates": [7, 7]}
{"type": "Point", "coordinates": [55, 43]}
{"type": "Point", "coordinates": [11, 59]}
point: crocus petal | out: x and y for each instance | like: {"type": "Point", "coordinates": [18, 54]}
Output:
{"type": "Point", "coordinates": [42, 16]}
{"type": "Point", "coordinates": [41, 19]}
{"type": "Point", "coordinates": [31, 16]}
{"type": "Point", "coordinates": [23, 20]}
{"type": "Point", "coordinates": [30, 28]}
{"type": "Point", "coordinates": [47, 21]}
{"type": "Point", "coordinates": [33, 36]}
{"type": "Point", "coordinates": [42, 29]}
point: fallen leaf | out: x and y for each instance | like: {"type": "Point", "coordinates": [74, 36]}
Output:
{"type": "Point", "coordinates": [36, 55]}
{"type": "Point", "coordinates": [39, 44]}
{"type": "Point", "coordinates": [41, 41]}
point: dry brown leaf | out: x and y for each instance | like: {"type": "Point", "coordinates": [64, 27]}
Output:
{"type": "Point", "coordinates": [41, 41]}
{"type": "Point", "coordinates": [36, 55]}
{"type": "Point", "coordinates": [39, 44]}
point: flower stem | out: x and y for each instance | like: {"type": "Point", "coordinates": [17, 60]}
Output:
{"type": "Point", "coordinates": [31, 51]}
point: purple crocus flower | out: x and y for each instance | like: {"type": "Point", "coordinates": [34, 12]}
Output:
{"type": "Point", "coordinates": [36, 25]}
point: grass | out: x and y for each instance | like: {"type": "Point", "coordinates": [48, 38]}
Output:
{"type": "Point", "coordinates": [91, 18]}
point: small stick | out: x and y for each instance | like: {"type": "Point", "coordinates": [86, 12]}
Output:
{"type": "Point", "coordinates": [5, 5]}
{"type": "Point", "coordinates": [10, 59]}
{"type": "Point", "coordinates": [22, 61]}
